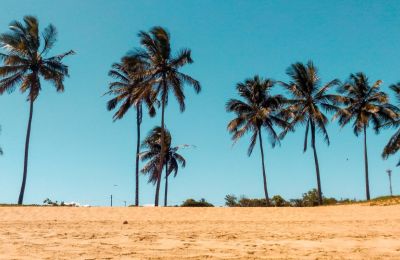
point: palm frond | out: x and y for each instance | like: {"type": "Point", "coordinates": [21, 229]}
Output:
{"type": "Point", "coordinates": [50, 37]}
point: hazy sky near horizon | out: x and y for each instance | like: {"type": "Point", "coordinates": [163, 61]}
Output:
{"type": "Point", "coordinates": [77, 153]}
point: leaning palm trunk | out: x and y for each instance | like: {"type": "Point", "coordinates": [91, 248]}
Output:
{"type": "Point", "coordinates": [263, 168]}
{"type": "Point", "coordinates": [166, 185]}
{"type": "Point", "coordinates": [138, 123]}
{"type": "Point", "coordinates": [316, 164]}
{"type": "Point", "coordinates": [28, 135]}
{"type": "Point", "coordinates": [162, 148]}
{"type": "Point", "coordinates": [366, 163]}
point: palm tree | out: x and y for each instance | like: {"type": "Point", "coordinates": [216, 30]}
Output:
{"type": "Point", "coordinates": [394, 143]}
{"type": "Point", "coordinates": [364, 104]}
{"type": "Point", "coordinates": [123, 89]}
{"type": "Point", "coordinates": [163, 75]}
{"type": "Point", "coordinates": [257, 110]}
{"type": "Point", "coordinates": [308, 101]}
{"type": "Point", "coordinates": [172, 158]}
{"type": "Point", "coordinates": [172, 161]}
{"type": "Point", "coordinates": [25, 62]}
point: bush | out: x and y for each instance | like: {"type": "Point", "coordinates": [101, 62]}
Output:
{"type": "Point", "coordinates": [310, 199]}
{"type": "Point", "coordinates": [246, 202]}
{"type": "Point", "coordinates": [347, 201]}
{"type": "Point", "coordinates": [278, 201]}
{"type": "Point", "coordinates": [194, 203]}
{"type": "Point", "coordinates": [51, 203]}
{"type": "Point", "coordinates": [231, 200]}
{"type": "Point", "coordinates": [329, 201]}
{"type": "Point", "coordinates": [296, 203]}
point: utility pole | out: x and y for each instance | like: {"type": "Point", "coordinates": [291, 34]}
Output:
{"type": "Point", "coordinates": [389, 172]}
{"type": "Point", "coordinates": [111, 197]}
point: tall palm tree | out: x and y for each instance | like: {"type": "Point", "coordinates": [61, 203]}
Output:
{"type": "Point", "coordinates": [394, 143]}
{"type": "Point", "coordinates": [308, 101]}
{"type": "Point", "coordinates": [364, 104]}
{"type": "Point", "coordinates": [25, 63]}
{"type": "Point", "coordinates": [172, 158]}
{"type": "Point", "coordinates": [256, 110]}
{"type": "Point", "coordinates": [163, 75]}
{"type": "Point", "coordinates": [124, 89]}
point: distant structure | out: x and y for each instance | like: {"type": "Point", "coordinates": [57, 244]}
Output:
{"type": "Point", "coordinates": [389, 172]}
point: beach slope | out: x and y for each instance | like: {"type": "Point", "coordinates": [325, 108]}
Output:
{"type": "Point", "coordinates": [339, 232]}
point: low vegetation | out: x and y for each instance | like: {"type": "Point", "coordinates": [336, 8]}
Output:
{"type": "Point", "coordinates": [385, 201]}
{"type": "Point", "coordinates": [309, 199]}
{"type": "Point", "coordinates": [195, 203]}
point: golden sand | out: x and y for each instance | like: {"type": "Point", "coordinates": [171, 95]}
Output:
{"type": "Point", "coordinates": [335, 232]}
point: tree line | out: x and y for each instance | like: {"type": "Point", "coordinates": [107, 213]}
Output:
{"type": "Point", "coordinates": [355, 101]}
{"type": "Point", "coordinates": [145, 77]}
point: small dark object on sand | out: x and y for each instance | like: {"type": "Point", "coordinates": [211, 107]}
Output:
{"type": "Point", "coordinates": [125, 222]}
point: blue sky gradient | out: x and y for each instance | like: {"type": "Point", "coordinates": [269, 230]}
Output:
{"type": "Point", "coordinates": [78, 153]}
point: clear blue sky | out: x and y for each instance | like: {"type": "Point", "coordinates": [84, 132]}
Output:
{"type": "Point", "coordinates": [78, 154]}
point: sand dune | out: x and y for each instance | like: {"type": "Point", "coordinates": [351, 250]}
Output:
{"type": "Point", "coordinates": [336, 232]}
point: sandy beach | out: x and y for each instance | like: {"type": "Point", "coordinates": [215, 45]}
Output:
{"type": "Point", "coordinates": [334, 232]}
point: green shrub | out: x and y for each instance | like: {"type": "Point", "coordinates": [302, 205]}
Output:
{"type": "Point", "coordinates": [194, 203]}
{"type": "Point", "coordinates": [231, 200]}
{"type": "Point", "coordinates": [310, 199]}
{"type": "Point", "coordinates": [329, 201]}
{"type": "Point", "coordinates": [296, 203]}
{"type": "Point", "coordinates": [246, 202]}
{"type": "Point", "coordinates": [278, 201]}
{"type": "Point", "coordinates": [50, 202]}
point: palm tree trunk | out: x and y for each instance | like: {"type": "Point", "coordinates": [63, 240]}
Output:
{"type": "Point", "coordinates": [316, 164]}
{"type": "Point", "coordinates": [166, 185]}
{"type": "Point", "coordinates": [263, 168]}
{"type": "Point", "coordinates": [158, 184]}
{"type": "Point", "coordinates": [390, 184]}
{"type": "Point", "coordinates": [366, 163]}
{"type": "Point", "coordinates": [28, 135]}
{"type": "Point", "coordinates": [161, 163]}
{"type": "Point", "coordinates": [138, 123]}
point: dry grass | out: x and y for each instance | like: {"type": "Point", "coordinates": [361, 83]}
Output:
{"type": "Point", "coordinates": [384, 201]}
